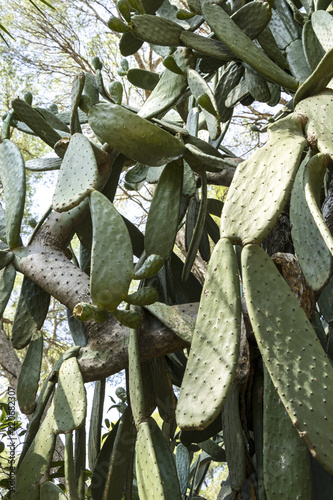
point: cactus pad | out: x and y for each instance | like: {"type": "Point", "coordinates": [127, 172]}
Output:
{"type": "Point", "coordinates": [286, 458]}
{"type": "Point", "coordinates": [133, 136]}
{"type": "Point", "coordinates": [239, 43]}
{"type": "Point", "coordinates": [12, 175]}
{"type": "Point", "coordinates": [156, 30]}
{"type": "Point", "coordinates": [312, 239]}
{"type": "Point", "coordinates": [263, 183]}
{"type": "Point", "coordinates": [142, 297]}
{"type": "Point", "coordinates": [155, 468]}
{"type": "Point", "coordinates": [7, 278]}
{"type": "Point", "coordinates": [212, 362]}
{"type": "Point", "coordinates": [111, 256]}
{"type": "Point", "coordinates": [319, 128]}
{"type": "Point", "coordinates": [168, 90]}
{"type": "Point", "coordinates": [164, 212]}
{"type": "Point", "coordinates": [37, 461]}
{"type": "Point", "coordinates": [291, 351]}
{"type": "Point", "coordinates": [78, 174]}
{"type": "Point", "coordinates": [28, 380]}
{"type": "Point", "coordinates": [30, 313]}
{"type": "Point", "coordinates": [36, 122]}
{"type": "Point", "coordinates": [70, 403]}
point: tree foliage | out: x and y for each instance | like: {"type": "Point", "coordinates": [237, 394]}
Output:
{"type": "Point", "coordinates": [240, 318]}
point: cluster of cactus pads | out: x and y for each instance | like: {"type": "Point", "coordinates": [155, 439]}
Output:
{"type": "Point", "coordinates": [256, 388]}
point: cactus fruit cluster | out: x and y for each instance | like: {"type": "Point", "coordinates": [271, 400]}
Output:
{"type": "Point", "coordinates": [254, 366]}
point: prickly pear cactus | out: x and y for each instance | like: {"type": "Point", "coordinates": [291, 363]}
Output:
{"type": "Point", "coordinates": [226, 323]}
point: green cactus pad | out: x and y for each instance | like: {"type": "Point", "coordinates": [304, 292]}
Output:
{"type": "Point", "coordinates": [139, 401]}
{"type": "Point", "coordinates": [291, 351]}
{"type": "Point", "coordinates": [239, 43]}
{"type": "Point", "coordinates": [169, 89]}
{"type": "Point", "coordinates": [117, 471]}
{"type": "Point", "coordinates": [79, 163]}
{"type": "Point", "coordinates": [37, 461]}
{"type": "Point", "coordinates": [77, 330]}
{"type": "Point", "coordinates": [98, 473]}
{"type": "Point", "coordinates": [283, 25]}
{"type": "Point", "coordinates": [156, 30]}
{"type": "Point", "coordinates": [133, 136]}
{"type": "Point", "coordinates": [7, 278]}
{"type": "Point", "coordinates": [313, 50]}
{"type": "Point", "coordinates": [6, 258]}
{"type": "Point", "coordinates": [286, 457]}
{"type": "Point", "coordinates": [322, 24]}
{"type": "Point", "coordinates": [189, 437]}
{"type": "Point", "coordinates": [111, 254]}
{"type": "Point", "coordinates": [174, 318]}
{"type": "Point", "coordinates": [2, 225]}
{"type": "Point", "coordinates": [36, 122]}
{"type": "Point", "coordinates": [252, 18]}
{"type": "Point", "coordinates": [234, 439]}
{"type": "Point", "coordinates": [77, 89]}
{"type": "Point", "coordinates": [131, 319]}
{"type": "Point", "coordinates": [325, 302]}
{"type": "Point", "coordinates": [297, 61]}
{"type": "Point", "coordinates": [312, 239]}
{"type": "Point", "coordinates": [142, 78]}
{"type": "Point", "coordinates": [318, 80]}
{"type": "Point", "coordinates": [268, 43]}
{"type": "Point", "coordinates": [170, 63]}
{"type": "Point", "coordinates": [50, 491]}
{"type": "Point", "coordinates": [43, 398]}
{"type": "Point", "coordinates": [207, 46]}
{"type": "Point", "coordinates": [151, 6]}
{"type": "Point", "coordinates": [164, 212]}
{"type": "Point", "coordinates": [69, 467]}
{"type": "Point", "coordinates": [151, 266]}
{"type": "Point", "coordinates": [137, 174]}
{"type": "Point", "coordinates": [230, 78]}
{"type": "Point", "coordinates": [52, 119]}
{"type": "Point", "coordinates": [165, 398]}
{"type": "Point", "coordinates": [319, 128]}
{"type": "Point", "coordinates": [43, 164]}
{"type": "Point", "coordinates": [70, 404]}
{"type": "Point", "coordinates": [124, 9]}
{"type": "Point", "coordinates": [95, 427]}
{"type": "Point", "coordinates": [129, 44]}
{"type": "Point", "coordinates": [116, 91]}
{"type": "Point", "coordinates": [143, 296]}
{"type": "Point", "coordinates": [191, 218]}
{"type": "Point", "coordinates": [155, 467]}
{"type": "Point", "coordinates": [237, 94]}
{"type": "Point", "coordinates": [29, 376]}
{"type": "Point", "coordinates": [30, 313]}
{"type": "Point", "coordinates": [214, 450]}
{"type": "Point", "coordinates": [12, 175]}
{"type": "Point", "coordinates": [115, 24]}
{"type": "Point", "coordinates": [268, 176]}
{"type": "Point", "coordinates": [196, 238]}
{"type": "Point", "coordinates": [198, 87]}
{"type": "Point", "coordinates": [137, 5]}
{"type": "Point", "coordinates": [212, 362]}
{"type": "Point", "coordinates": [183, 463]}
{"type": "Point", "coordinates": [257, 87]}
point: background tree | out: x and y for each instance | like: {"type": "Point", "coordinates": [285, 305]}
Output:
{"type": "Point", "coordinates": [256, 387]}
